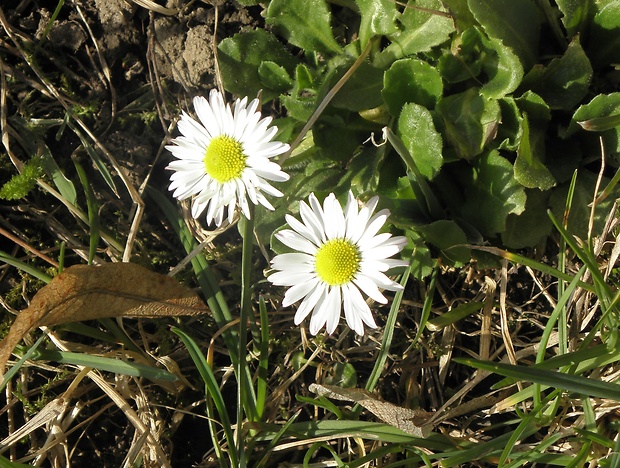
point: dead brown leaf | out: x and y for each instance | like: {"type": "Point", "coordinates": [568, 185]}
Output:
{"type": "Point", "coordinates": [83, 292]}
{"type": "Point", "coordinates": [414, 422]}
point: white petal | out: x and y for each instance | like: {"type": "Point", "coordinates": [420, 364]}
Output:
{"type": "Point", "coordinates": [369, 287]}
{"type": "Point", "coordinates": [360, 308]}
{"type": "Point", "coordinates": [308, 304]}
{"type": "Point", "coordinates": [321, 313]}
{"type": "Point", "coordinates": [298, 291]}
{"type": "Point", "coordinates": [334, 222]}
{"type": "Point", "coordinates": [303, 230]}
{"type": "Point", "coordinates": [295, 241]}
{"type": "Point", "coordinates": [312, 220]}
{"type": "Point", "coordinates": [285, 278]}
{"type": "Point", "coordinates": [294, 262]}
{"type": "Point", "coordinates": [334, 306]}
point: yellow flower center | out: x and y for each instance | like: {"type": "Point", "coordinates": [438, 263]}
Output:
{"type": "Point", "coordinates": [337, 261]}
{"type": "Point", "coordinates": [224, 158]}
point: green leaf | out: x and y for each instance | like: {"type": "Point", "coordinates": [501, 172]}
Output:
{"type": "Point", "coordinates": [583, 196]}
{"type": "Point", "coordinates": [211, 388]}
{"type": "Point", "coordinates": [502, 67]}
{"type": "Point", "coordinates": [515, 22]}
{"type": "Point", "coordinates": [53, 171]}
{"type": "Point", "coordinates": [575, 14]}
{"type": "Point", "coordinates": [492, 194]}
{"type": "Point", "coordinates": [565, 81]}
{"type": "Point", "coordinates": [417, 131]}
{"type": "Point", "coordinates": [420, 31]}
{"type": "Point", "coordinates": [362, 172]}
{"type": "Point", "coordinates": [361, 91]}
{"type": "Point", "coordinates": [470, 120]}
{"type": "Point", "coordinates": [304, 23]}
{"type": "Point", "coordinates": [339, 135]}
{"type": "Point", "coordinates": [378, 19]}
{"type": "Point", "coordinates": [422, 191]}
{"type": "Point", "coordinates": [604, 40]}
{"type": "Point", "coordinates": [421, 262]}
{"type": "Point", "coordinates": [529, 169]}
{"type": "Point", "coordinates": [485, 59]}
{"type": "Point", "coordinates": [411, 80]}
{"type": "Point", "coordinates": [603, 105]}
{"type": "Point", "coordinates": [600, 124]}
{"type": "Point", "coordinates": [555, 379]}
{"type": "Point", "coordinates": [450, 239]}
{"type": "Point", "coordinates": [6, 463]}
{"type": "Point", "coordinates": [510, 131]}
{"type": "Point", "coordinates": [535, 106]}
{"type": "Point", "coordinates": [273, 76]}
{"type": "Point", "coordinates": [461, 14]}
{"type": "Point", "coordinates": [530, 227]}
{"type": "Point", "coordinates": [241, 56]}
{"type": "Point", "coordinates": [96, 158]}
{"type": "Point", "coordinates": [341, 374]}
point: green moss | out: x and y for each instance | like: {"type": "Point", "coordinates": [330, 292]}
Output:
{"type": "Point", "coordinates": [21, 184]}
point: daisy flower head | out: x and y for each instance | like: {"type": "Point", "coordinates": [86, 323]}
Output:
{"type": "Point", "coordinates": [224, 158]}
{"type": "Point", "coordinates": [338, 255]}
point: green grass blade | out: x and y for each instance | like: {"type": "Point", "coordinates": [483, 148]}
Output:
{"type": "Point", "coordinates": [527, 422]}
{"type": "Point", "coordinates": [26, 268]}
{"type": "Point", "coordinates": [5, 463]}
{"type": "Point", "coordinates": [428, 304]}
{"type": "Point", "coordinates": [538, 266]}
{"type": "Point", "coordinates": [263, 359]}
{"type": "Point", "coordinates": [454, 315]}
{"type": "Point", "coordinates": [92, 152]}
{"type": "Point", "coordinates": [93, 212]}
{"type": "Point", "coordinates": [571, 383]}
{"type": "Point", "coordinates": [106, 364]}
{"type": "Point", "coordinates": [13, 370]}
{"type": "Point", "coordinates": [212, 389]}
{"type": "Point", "coordinates": [283, 431]}
{"type": "Point", "coordinates": [62, 183]}
{"type": "Point", "coordinates": [387, 335]}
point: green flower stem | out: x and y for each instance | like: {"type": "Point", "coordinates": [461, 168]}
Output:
{"type": "Point", "coordinates": [245, 401]}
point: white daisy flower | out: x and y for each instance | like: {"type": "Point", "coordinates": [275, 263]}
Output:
{"type": "Point", "coordinates": [225, 158]}
{"type": "Point", "coordinates": [338, 254]}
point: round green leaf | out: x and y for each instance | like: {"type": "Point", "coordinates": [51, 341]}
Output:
{"type": "Point", "coordinates": [378, 18]}
{"type": "Point", "coordinates": [470, 120]}
{"type": "Point", "coordinates": [530, 227]}
{"type": "Point", "coordinates": [421, 30]}
{"type": "Point", "coordinates": [492, 193]}
{"type": "Point", "coordinates": [273, 76]}
{"type": "Point", "coordinates": [241, 56]}
{"type": "Point", "coordinates": [565, 81]}
{"type": "Point", "coordinates": [604, 40]}
{"type": "Point", "coordinates": [515, 22]}
{"type": "Point", "coordinates": [603, 105]}
{"type": "Point", "coordinates": [411, 80]}
{"type": "Point", "coordinates": [529, 169]}
{"type": "Point", "coordinates": [304, 23]}
{"type": "Point", "coordinates": [450, 239]}
{"type": "Point", "coordinates": [417, 130]}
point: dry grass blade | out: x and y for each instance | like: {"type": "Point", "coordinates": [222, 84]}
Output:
{"type": "Point", "coordinates": [133, 193]}
{"type": "Point", "coordinates": [150, 5]}
{"type": "Point", "coordinates": [414, 422]}
{"type": "Point", "coordinates": [51, 411]}
{"type": "Point", "coordinates": [84, 292]}
{"type": "Point", "coordinates": [154, 452]}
